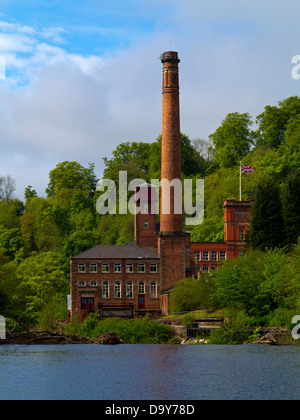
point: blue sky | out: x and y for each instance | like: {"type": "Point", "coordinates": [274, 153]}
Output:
{"type": "Point", "coordinates": [84, 76]}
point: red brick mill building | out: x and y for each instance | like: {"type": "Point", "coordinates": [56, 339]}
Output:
{"type": "Point", "coordinates": [136, 278]}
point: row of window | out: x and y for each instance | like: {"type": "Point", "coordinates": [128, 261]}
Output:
{"type": "Point", "coordinates": [117, 289]}
{"type": "Point", "coordinates": [117, 268]}
{"type": "Point", "coordinates": [206, 269]}
{"type": "Point", "coordinates": [210, 255]}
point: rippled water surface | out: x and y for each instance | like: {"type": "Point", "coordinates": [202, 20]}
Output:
{"type": "Point", "coordinates": [149, 372]}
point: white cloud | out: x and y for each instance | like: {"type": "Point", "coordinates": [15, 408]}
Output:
{"type": "Point", "coordinates": [235, 56]}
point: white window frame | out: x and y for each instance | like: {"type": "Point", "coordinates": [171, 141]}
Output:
{"type": "Point", "coordinates": [146, 224]}
{"type": "Point", "coordinates": [117, 290]}
{"type": "Point", "coordinates": [105, 290]}
{"type": "Point", "coordinates": [221, 254]}
{"type": "Point", "coordinates": [153, 290]}
{"type": "Point", "coordinates": [129, 290]}
{"type": "Point", "coordinates": [206, 270]}
{"type": "Point", "coordinates": [117, 268]}
{"type": "Point", "coordinates": [105, 265]}
{"type": "Point", "coordinates": [214, 255]}
{"type": "Point", "coordinates": [204, 255]}
{"type": "Point", "coordinates": [93, 268]}
{"type": "Point", "coordinates": [141, 287]}
{"type": "Point", "coordinates": [242, 235]}
{"type": "Point", "coordinates": [81, 283]}
{"type": "Point", "coordinates": [198, 255]}
{"type": "Point", "coordinates": [81, 268]}
{"type": "Point", "coordinates": [141, 268]}
{"type": "Point", "coordinates": [153, 268]}
{"type": "Point", "coordinates": [129, 268]}
{"type": "Point", "coordinates": [93, 283]}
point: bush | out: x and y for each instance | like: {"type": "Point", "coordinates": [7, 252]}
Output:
{"type": "Point", "coordinates": [133, 331]}
{"type": "Point", "coordinates": [235, 330]}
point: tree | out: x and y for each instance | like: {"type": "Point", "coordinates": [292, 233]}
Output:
{"type": "Point", "coordinates": [274, 120]}
{"type": "Point", "coordinates": [41, 278]}
{"type": "Point", "coordinates": [71, 176]}
{"type": "Point", "coordinates": [29, 193]}
{"type": "Point", "coordinates": [190, 294]}
{"type": "Point", "coordinates": [290, 207]}
{"type": "Point", "coordinates": [266, 225]}
{"type": "Point", "coordinates": [233, 139]}
{"type": "Point", "coordinates": [7, 187]}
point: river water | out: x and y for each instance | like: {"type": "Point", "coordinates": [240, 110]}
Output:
{"type": "Point", "coordinates": [149, 372]}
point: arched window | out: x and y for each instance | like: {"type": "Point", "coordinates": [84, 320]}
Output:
{"type": "Point", "coordinates": [153, 290]}
{"type": "Point", "coordinates": [141, 288]}
{"type": "Point", "coordinates": [129, 290]}
{"type": "Point", "coordinates": [105, 290]}
{"type": "Point", "coordinates": [117, 290]}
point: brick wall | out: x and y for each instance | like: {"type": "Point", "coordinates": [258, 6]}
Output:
{"type": "Point", "coordinates": [88, 290]}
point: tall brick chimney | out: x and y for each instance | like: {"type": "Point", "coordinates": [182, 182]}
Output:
{"type": "Point", "coordinates": [170, 153]}
{"type": "Point", "coordinates": [172, 239]}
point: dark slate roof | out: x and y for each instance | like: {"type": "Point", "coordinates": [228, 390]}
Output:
{"type": "Point", "coordinates": [117, 252]}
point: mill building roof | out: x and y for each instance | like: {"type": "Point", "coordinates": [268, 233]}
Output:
{"type": "Point", "coordinates": [116, 251]}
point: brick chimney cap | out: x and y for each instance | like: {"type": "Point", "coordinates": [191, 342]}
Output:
{"type": "Point", "coordinates": [170, 56]}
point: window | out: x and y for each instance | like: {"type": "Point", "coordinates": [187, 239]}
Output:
{"type": "Point", "coordinates": [129, 268]}
{"type": "Point", "coordinates": [198, 256]}
{"type": "Point", "coordinates": [117, 268]}
{"type": "Point", "coordinates": [93, 268]}
{"type": "Point", "coordinates": [81, 268]}
{"type": "Point", "coordinates": [141, 268]}
{"type": "Point", "coordinates": [214, 255]}
{"type": "Point", "coordinates": [222, 255]}
{"type": "Point", "coordinates": [153, 290]}
{"type": "Point", "coordinates": [214, 267]}
{"type": "Point", "coordinates": [93, 283]}
{"type": "Point", "coordinates": [242, 235]}
{"type": "Point", "coordinates": [117, 290]}
{"type": "Point", "coordinates": [129, 290]}
{"type": "Point", "coordinates": [105, 290]}
{"type": "Point", "coordinates": [146, 224]}
{"type": "Point", "coordinates": [105, 268]}
{"type": "Point", "coordinates": [153, 268]}
{"type": "Point", "coordinates": [81, 283]}
{"type": "Point", "coordinates": [141, 288]}
{"type": "Point", "coordinates": [205, 269]}
{"type": "Point", "coordinates": [205, 255]}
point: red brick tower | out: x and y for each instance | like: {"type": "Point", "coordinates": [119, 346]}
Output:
{"type": "Point", "coordinates": [237, 215]}
{"type": "Point", "coordinates": [171, 242]}
{"type": "Point", "coordinates": [145, 234]}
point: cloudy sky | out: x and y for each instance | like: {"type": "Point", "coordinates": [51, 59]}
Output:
{"type": "Point", "coordinates": [79, 77]}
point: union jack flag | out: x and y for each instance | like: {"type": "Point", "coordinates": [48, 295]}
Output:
{"type": "Point", "coordinates": [245, 168]}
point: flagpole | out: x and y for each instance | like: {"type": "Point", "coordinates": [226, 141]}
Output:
{"type": "Point", "coordinates": [240, 180]}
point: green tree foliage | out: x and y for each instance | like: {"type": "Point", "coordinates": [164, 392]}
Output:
{"type": "Point", "coordinates": [275, 120]}
{"type": "Point", "coordinates": [41, 278]}
{"type": "Point", "coordinates": [233, 139]}
{"type": "Point", "coordinates": [291, 206]}
{"type": "Point", "coordinates": [190, 294]}
{"type": "Point", "coordinates": [266, 225]}
{"type": "Point", "coordinates": [260, 283]}
{"type": "Point", "coordinates": [71, 176]}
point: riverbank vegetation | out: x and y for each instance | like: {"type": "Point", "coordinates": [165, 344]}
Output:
{"type": "Point", "coordinates": [39, 234]}
{"type": "Point", "coordinates": [134, 331]}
